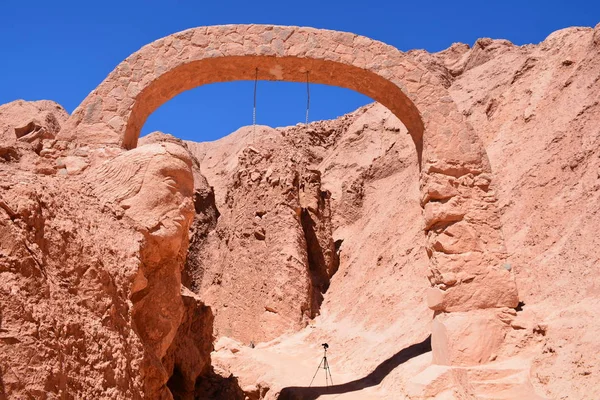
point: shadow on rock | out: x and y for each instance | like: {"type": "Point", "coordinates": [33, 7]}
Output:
{"type": "Point", "coordinates": [373, 379]}
{"type": "Point", "coordinates": [216, 387]}
{"type": "Point", "coordinates": [2, 391]}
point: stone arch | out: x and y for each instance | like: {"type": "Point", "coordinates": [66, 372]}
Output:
{"type": "Point", "coordinates": [464, 240]}
{"type": "Point", "coordinates": [117, 109]}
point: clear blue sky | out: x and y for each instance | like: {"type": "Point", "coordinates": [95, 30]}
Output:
{"type": "Point", "coordinates": [61, 50]}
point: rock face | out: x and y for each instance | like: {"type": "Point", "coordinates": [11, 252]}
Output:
{"type": "Point", "coordinates": [25, 125]}
{"type": "Point", "coordinates": [270, 256]}
{"type": "Point", "coordinates": [90, 263]}
{"type": "Point", "coordinates": [29, 121]}
{"type": "Point", "coordinates": [153, 185]}
{"type": "Point", "coordinates": [119, 268]}
{"type": "Point", "coordinates": [63, 305]}
{"type": "Point", "coordinates": [537, 110]}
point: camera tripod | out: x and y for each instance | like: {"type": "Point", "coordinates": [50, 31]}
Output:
{"type": "Point", "coordinates": [325, 365]}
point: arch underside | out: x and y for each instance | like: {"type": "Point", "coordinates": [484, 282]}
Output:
{"type": "Point", "coordinates": [290, 69]}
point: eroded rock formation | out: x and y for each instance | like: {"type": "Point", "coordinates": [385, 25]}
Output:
{"type": "Point", "coordinates": [90, 262]}
{"type": "Point", "coordinates": [333, 232]}
{"type": "Point", "coordinates": [269, 258]}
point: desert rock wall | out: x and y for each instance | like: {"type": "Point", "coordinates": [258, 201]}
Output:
{"type": "Point", "coordinates": [91, 301]}
{"type": "Point", "coordinates": [537, 108]}
{"type": "Point", "coordinates": [311, 234]}
{"type": "Point", "coordinates": [66, 269]}
{"type": "Point", "coordinates": [368, 166]}
{"type": "Point", "coordinates": [269, 258]}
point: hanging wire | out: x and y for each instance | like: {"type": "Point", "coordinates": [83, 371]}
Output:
{"type": "Point", "coordinates": [254, 109]}
{"type": "Point", "coordinates": [307, 97]}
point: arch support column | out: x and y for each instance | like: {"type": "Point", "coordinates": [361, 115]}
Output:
{"type": "Point", "coordinates": [473, 290]}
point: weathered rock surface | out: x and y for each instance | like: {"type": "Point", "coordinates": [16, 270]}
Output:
{"type": "Point", "coordinates": [537, 108]}
{"type": "Point", "coordinates": [27, 121]}
{"type": "Point", "coordinates": [113, 263]}
{"type": "Point", "coordinates": [90, 260]}
{"type": "Point", "coordinates": [270, 256]}
{"type": "Point", "coordinates": [368, 164]}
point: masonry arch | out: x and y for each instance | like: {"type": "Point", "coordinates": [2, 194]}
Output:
{"type": "Point", "coordinates": [464, 240]}
{"type": "Point", "coordinates": [117, 109]}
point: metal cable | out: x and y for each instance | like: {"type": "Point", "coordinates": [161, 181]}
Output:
{"type": "Point", "coordinates": [307, 97]}
{"type": "Point", "coordinates": [254, 109]}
